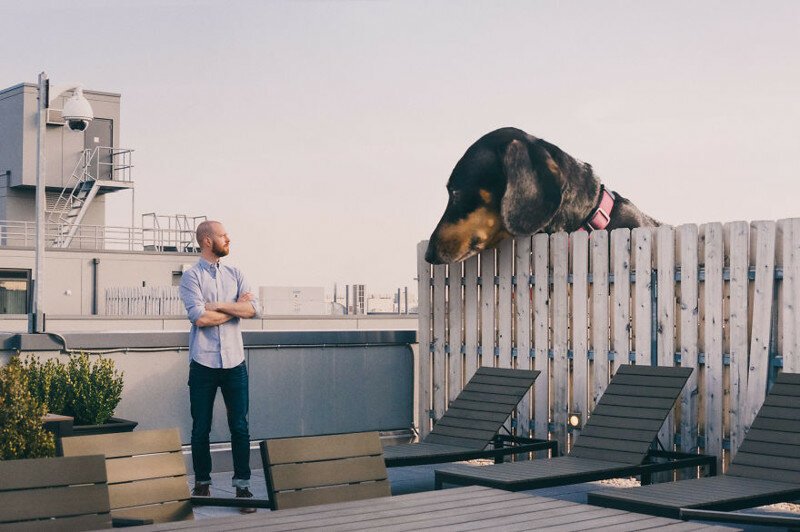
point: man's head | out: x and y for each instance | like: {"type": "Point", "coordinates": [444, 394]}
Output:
{"type": "Point", "coordinates": [212, 238]}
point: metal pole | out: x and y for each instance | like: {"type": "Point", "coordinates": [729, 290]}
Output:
{"type": "Point", "coordinates": [37, 311]}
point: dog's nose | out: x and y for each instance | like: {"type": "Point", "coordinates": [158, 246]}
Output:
{"type": "Point", "coordinates": [432, 256]}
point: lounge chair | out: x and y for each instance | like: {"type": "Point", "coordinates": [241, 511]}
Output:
{"type": "Point", "coordinates": [310, 470]}
{"type": "Point", "coordinates": [615, 441]}
{"type": "Point", "coordinates": [54, 494]}
{"type": "Point", "coordinates": [470, 427]}
{"type": "Point", "coordinates": [765, 470]}
{"type": "Point", "coordinates": [146, 476]}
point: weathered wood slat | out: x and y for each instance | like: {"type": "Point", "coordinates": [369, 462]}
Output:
{"type": "Point", "coordinates": [737, 235]}
{"type": "Point", "coordinates": [439, 336]}
{"type": "Point", "coordinates": [455, 315]}
{"type": "Point", "coordinates": [424, 337]}
{"type": "Point", "coordinates": [315, 448]}
{"type": "Point", "coordinates": [665, 330]}
{"type": "Point", "coordinates": [38, 503]}
{"type": "Point", "coordinates": [488, 307]}
{"type": "Point", "coordinates": [158, 513]}
{"type": "Point", "coordinates": [559, 325]}
{"type": "Point", "coordinates": [580, 323]}
{"type": "Point", "coordinates": [151, 491]}
{"type": "Point", "coordinates": [62, 524]}
{"type": "Point", "coordinates": [145, 466]}
{"type": "Point", "coordinates": [541, 317]}
{"type": "Point", "coordinates": [686, 245]}
{"type": "Point", "coordinates": [762, 245]}
{"type": "Point", "coordinates": [44, 472]}
{"type": "Point", "coordinates": [599, 334]}
{"type": "Point", "coordinates": [115, 446]}
{"type": "Point", "coordinates": [471, 362]}
{"type": "Point", "coordinates": [621, 315]}
{"type": "Point", "coordinates": [327, 473]}
{"type": "Point", "coordinates": [505, 261]}
{"type": "Point", "coordinates": [789, 240]}
{"type": "Point", "coordinates": [713, 389]}
{"type": "Point", "coordinates": [522, 320]}
{"type": "Point", "coordinates": [332, 494]}
{"type": "Point", "coordinates": [642, 257]}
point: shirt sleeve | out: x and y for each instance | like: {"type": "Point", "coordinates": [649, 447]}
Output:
{"type": "Point", "coordinates": [192, 296]}
{"type": "Point", "coordinates": [244, 286]}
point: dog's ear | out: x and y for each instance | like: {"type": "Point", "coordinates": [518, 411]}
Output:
{"type": "Point", "coordinates": [533, 190]}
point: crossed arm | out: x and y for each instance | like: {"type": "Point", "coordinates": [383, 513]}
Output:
{"type": "Point", "coordinates": [217, 313]}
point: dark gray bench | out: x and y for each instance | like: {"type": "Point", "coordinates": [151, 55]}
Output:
{"type": "Point", "coordinates": [470, 428]}
{"type": "Point", "coordinates": [616, 440]}
{"type": "Point", "coordinates": [765, 470]}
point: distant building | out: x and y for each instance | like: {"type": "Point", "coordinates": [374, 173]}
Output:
{"type": "Point", "coordinates": [293, 301]}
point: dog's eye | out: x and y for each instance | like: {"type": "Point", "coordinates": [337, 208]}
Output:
{"type": "Point", "coordinates": [455, 195]}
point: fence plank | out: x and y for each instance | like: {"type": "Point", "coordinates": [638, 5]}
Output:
{"type": "Point", "coordinates": [505, 263]}
{"type": "Point", "coordinates": [559, 243]}
{"type": "Point", "coordinates": [713, 390]}
{"type": "Point", "coordinates": [790, 293]}
{"type": "Point", "coordinates": [424, 338]}
{"type": "Point", "coordinates": [665, 319]}
{"type": "Point", "coordinates": [642, 314]}
{"type": "Point", "coordinates": [686, 246]}
{"type": "Point", "coordinates": [580, 323]}
{"type": "Point", "coordinates": [488, 307]}
{"type": "Point", "coordinates": [541, 314]}
{"type": "Point", "coordinates": [522, 320]}
{"type": "Point", "coordinates": [620, 307]}
{"type": "Point", "coordinates": [470, 317]}
{"type": "Point", "coordinates": [455, 313]}
{"type": "Point", "coordinates": [737, 235]}
{"type": "Point", "coordinates": [599, 322]}
{"type": "Point", "coordinates": [439, 355]}
{"type": "Point", "coordinates": [762, 249]}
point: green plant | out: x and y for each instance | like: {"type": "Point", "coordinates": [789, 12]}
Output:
{"type": "Point", "coordinates": [96, 388]}
{"type": "Point", "coordinates": [88, 391]}
{"type": "Point", "coordinates": [22, 434]}
{"type": "Point", "coordinates": [49, 384]}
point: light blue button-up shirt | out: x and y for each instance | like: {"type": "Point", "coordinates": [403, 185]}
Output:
{"type": "Point", "coordinates": [215, 346]}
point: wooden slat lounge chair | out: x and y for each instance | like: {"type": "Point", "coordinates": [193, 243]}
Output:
{"type": "Point", "coordinates": [765, 470]}
{"type": "Point", "coordinates": [146, 476]}
{"type": "Point", "coordinates": [470, 427]}
{"type": "Point", "coordinates": [54, 494]}
{"type": "Point", "coordinates": [311, 470]}
{"type": "Point", "coordinates": [615, 441]}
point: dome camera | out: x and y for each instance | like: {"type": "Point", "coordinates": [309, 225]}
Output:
{"type": "Point", "coordinates": [77, 112]}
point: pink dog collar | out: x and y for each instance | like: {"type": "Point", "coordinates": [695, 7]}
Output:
{"type": "Point", "coordinates": [601, 216]}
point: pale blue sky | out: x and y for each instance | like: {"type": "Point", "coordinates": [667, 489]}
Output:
{"type": "Point", "coordinates": [322, 133]}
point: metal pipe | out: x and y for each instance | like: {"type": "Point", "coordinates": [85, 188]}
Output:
{"type": "Point", "coordinates": [95, 268]}
{"type": "Point", "coordinates": [37, 312]}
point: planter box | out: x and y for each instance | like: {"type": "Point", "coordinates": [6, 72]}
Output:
{"type": "Point", "coordinates": [114, 424]}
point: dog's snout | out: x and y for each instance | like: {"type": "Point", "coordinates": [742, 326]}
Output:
{"type": "Point", "coordinates": [431, 254]}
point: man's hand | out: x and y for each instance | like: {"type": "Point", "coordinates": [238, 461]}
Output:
{"type": "Point", "coordinates": [244, 298]}
{"type": "Point", "coordinates": [220, 307]}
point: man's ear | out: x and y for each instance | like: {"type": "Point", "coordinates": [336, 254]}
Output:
{"type": "Point", "coordinates": [533, 190]}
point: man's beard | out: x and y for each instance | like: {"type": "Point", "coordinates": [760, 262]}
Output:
{"type": "Point", "coordinates": [218, 250]}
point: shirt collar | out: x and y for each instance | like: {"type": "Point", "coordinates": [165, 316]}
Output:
{"type": "Point", "coordinates": [210, 266]}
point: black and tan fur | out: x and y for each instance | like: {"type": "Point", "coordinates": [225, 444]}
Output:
{"type": "Point", "coordinates": [511, 183]}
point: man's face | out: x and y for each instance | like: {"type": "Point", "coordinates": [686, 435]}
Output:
{"type": "Point", "coordinates": [220, 243]}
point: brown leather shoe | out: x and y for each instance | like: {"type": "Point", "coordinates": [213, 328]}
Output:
{"type": "Point", "coordinates": [245, 493]}
{"type": "Point", "coordinates": [201, 490]}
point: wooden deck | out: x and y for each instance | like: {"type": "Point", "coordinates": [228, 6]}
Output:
{"type": "Point", "coordinates": [469, 508]}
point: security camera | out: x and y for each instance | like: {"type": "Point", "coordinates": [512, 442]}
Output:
{"type": "Point", "coordinates": [77, 124]}
{"type": "Point", "coordinates": [77, 112]}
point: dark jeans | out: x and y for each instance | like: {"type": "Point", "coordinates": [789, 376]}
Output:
{"type": "Point", "coordinates": [203, 384]}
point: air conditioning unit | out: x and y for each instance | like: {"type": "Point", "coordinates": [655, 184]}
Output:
{"type": "Point", "coordinates": [54, 117]}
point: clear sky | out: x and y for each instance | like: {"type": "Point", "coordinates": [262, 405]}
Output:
{"type": "Point", "coordinates": [322, 133]}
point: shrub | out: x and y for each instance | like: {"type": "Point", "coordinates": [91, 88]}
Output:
{"type": "Point", "coordinates": [23, 434]}
{"type": "Point", "coordinates": [88, 391]}
{"type": "Point", "coordinates": [96, 389]}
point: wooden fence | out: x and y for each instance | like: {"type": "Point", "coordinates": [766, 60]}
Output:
{"type": "Point", "coordinates": [144, 301]}
{"type": "Point", "coordinates": [720, 298]}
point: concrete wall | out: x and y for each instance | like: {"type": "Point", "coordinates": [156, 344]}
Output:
{"type": "Point", "coordinates": [301, 383]}
{"type": "Point", "coordinates": [68, 274]}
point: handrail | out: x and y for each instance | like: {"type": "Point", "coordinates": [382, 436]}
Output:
{"type": "Point", "coordinates": [20, 233]}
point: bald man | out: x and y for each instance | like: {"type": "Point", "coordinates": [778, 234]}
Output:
{"type": "Point", "coordinates": [217, 298]}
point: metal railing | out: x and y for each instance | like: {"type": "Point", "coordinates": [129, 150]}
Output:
{"type": "Point", "coordinates": [95, 237]}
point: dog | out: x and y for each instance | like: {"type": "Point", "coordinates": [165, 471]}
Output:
{"type": "Point", "coordinates": [511, 183]}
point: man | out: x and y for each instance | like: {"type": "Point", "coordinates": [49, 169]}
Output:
{"type": "Point", "coordinates": [217, 297]}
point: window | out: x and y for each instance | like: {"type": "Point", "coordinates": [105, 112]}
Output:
{"type": "Point", "coordinates": [15, 286]}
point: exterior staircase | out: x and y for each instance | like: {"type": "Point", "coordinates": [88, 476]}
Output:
{"type": "Point", "coordinates": [74, 200]}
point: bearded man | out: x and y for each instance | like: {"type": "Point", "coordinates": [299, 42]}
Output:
{"type": "Point", "coordinates": [217, 298]}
